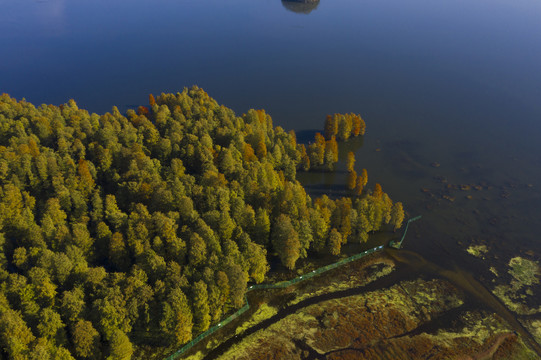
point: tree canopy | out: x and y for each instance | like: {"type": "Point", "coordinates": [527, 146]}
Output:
{"type": "Point", "coordinates": [152, 222]}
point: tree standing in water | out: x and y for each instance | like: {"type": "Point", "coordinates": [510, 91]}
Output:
{"type": "Point", "coordinates": [352, 180]}
{"type": "Point", "coordinates": [350, 161]}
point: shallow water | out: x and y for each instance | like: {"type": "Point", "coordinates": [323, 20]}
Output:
{"type": "Point", "coordinates": [466, 282]}
{"type": "Point", "coordinates": [449, 90]}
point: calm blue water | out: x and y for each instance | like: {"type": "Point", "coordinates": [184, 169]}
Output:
{"type": "Point", "coordinates": [456, 83]}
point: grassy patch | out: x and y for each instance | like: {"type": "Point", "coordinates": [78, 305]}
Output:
{"type": "Point", "coordinates": [525, 272]}
{"type": "Point", "coordinates": [366, 275]}
{"type": "Point", "coordinates": [477, 250]}
{"type": "Point", "coordinates": [513, 300]}
{"type": "Point", "coordinates": [516, 295]}
{"type": "Point", "coordinates": [263, 312]}
{"type": "Point", "coordinates": [197, 356]}
{"type": "Point", "coordinates": [484, 336]}
{"type": "Point", "coordinates": [534, 326]}
{"type": "Point", "coordinates": [375, 322]}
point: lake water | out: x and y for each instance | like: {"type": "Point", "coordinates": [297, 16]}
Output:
{"type": "Point", "coordinates": [450, 90]}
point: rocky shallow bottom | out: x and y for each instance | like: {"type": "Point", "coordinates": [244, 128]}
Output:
{"type": "Point", "coordinates": [408, 320]}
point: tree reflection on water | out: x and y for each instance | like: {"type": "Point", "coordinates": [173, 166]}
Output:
{"type": "Point", "coordinates": [302, 6]}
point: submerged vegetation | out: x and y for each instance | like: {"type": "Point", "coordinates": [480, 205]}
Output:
{"type": "Point", "coordinates": [525, 272]}
{"type": "Point", "coordinates": [519, 293]}
{"type": "Point", "coordinates": [400, 322]}
{"type": "Point", "coordinates": [145, 228]}
{"type": "Point", "coordinates": [411, 319]}
{"type": "Point", "coordinates": [477, 250]}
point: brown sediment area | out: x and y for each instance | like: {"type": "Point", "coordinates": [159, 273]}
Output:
{"type": "Point", "coordinates": [472, 287]}
{"type": "Point", "coordinates": [352, 275]}
{"type": "Point", "coordinates": [420, 311]}
{"type": "Point", "coordinates": [382, 324]}
{"type": "Point", "coordinates": [489, 353]}
{"type": "Point", "coordinates": [269, 305]}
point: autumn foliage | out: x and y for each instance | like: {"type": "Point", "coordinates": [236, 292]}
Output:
{"type": "Point", "coordinates": [343, 126]}
{"type": "Point", "coordinates": [120, 231]}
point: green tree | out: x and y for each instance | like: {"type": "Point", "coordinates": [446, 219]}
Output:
{"type": "Point", "coordinates": [319, 149]}
{"type": "Point", "coordinates": [96, 214]}
{"type": "Point", "coordinates": [222, 284]}
{"type": "Point", "coordinates": [201, 312]}
{"type": "Point", "coordinates": [397, 215]}
{"type": "Point", "coordinates": [344, 127]}
{"type": "Point", "coordinates": [118, 252]}
{"type": "Point", "coordinates": [197, 250]}
{"type": "Point", "coordinates": [81, 238]}
{"type": "Point", "coordinates": [51, 327]}
{"type": "Point", "coordinates": [86, 340]}
{"type": "Point", "coordinates": [319, 222]}
{"type": "Point", "coordinates": [166, 228]}
{"type": "Point", "coordinates": [72, 305]}
{"type": "Point", "coordinates": [138, 233]}
{"type": "Point", "coordinates": [120, 347]}
{"type": "Point", "coordinates": [331, 153]}
{"type": "Point", "coordinates": [183, 328]}
{"type": "Point", "coordinates": [227, 163]}
{"type": "Point", "coordinates": [225, 226]}
{"type": "Point", "coordinates": [53, 224]}
{"type": "Point", "coordinates": [176, 318]}
{"type": "Point", "coordinates": [181, 323]}
{"type": "Point", "coordinates": [256, 256]}
{"type": "Point", "coordinates": [44, 289]}
{"type": "Point", "coordinates": [305, 237]}
{"type": "Point", "coordinates": [335, 242]}
{"type": "Point", "coordinates": [237, 284]}
{"type": "Point", "coordinates": [262, 227]}
{"type": "Point", "coordinates": [110, 312]}
{"type": "Point", "coordinates": [15, 336]}
{"type": "Point", "coordinates": [285, 241]}
{"type": "Point", "coordinates": [113, 214]}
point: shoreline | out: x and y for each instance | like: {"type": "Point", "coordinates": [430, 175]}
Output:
{"type": "Point", "coordinates": [288, 285]}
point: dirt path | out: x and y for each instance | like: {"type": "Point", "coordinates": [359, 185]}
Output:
{"type": "Point", "coordinates": [489, 353]}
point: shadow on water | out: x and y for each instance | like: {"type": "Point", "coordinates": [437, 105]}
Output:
{"type": "Point", "coordinates": [331, 190]}
{"type": "Point", "coordinates": [306, 136]}
{"type": "Point", "coordinates": [467, 283]}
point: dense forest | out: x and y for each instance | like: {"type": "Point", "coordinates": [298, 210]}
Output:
{"type": "Point", "coordinates": [119, 230]}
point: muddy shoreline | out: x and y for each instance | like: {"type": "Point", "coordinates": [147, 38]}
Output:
{"type": "Point", "coordinates": [451, 309]}
{"type": "Point", "coordinates": [502, 327]}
